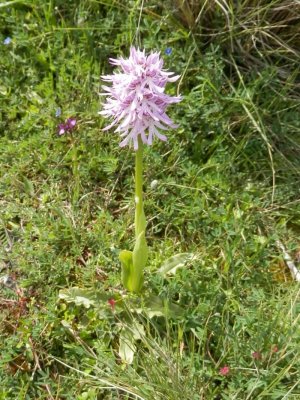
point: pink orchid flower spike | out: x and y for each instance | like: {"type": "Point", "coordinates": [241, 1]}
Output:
{"type": "Point", "coordinates": [136, 102]}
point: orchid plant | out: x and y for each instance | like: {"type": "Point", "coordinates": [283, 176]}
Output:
{"type": "Point", "coordinates": [136, 102]}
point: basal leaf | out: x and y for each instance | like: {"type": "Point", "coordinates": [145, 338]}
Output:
{"type": "Point", "coordinates": [171, 265]}
{"type": "Point", "coordinates": [126, 346]}
{"type": "Point", "coordinates": [81, 297]}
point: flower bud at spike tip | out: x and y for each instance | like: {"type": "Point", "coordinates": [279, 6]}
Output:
{"type": "Point", "coordinates": [136, 101]}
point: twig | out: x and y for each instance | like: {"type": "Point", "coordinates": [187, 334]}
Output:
{"type": "Point", "coordinates": [289, 262]}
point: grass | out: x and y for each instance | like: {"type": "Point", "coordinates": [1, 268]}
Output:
{"type": "Point", "coordinates": [225, 188]}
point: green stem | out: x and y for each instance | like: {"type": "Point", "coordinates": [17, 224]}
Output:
{"type": "Point", "coordinates": [139, 209]}
{"type": "Point", "coordinates": [75, 171]}
{"type": "Point", "coordinates": [133, 263]}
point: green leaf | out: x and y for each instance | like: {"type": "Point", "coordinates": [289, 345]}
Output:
{"type": "Point", "coordinates": [83, 297]}
{"type": "Point", "coordinates": [139, 260]}
{"type": "Point", "coordinates": [125, 257]}
{"type": "Point", "coordinates": [137, 330]}
{"type": "Point", "coordinates": [154, 306]}
{"type": "Point", "coordinates": [128, 336]}
{"type": "Point", "coordinates": [140, 222]}
{"type": "Point", "coordinates": [126, 346]}
{"type": "Point", "coordinates": [171, 265]}
{"type": "Point", "coordinates": [133, 264]}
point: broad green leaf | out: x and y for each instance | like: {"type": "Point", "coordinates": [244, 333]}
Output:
{"type": "Point", "coordinates": [83, 297]}
{"type": "Point", "coordinates": [140, 251]}
{"type": "Point", "coordinates": [155, 306]}
{"type": "Point", "coordinates": [126, 346]}
{"type": "Point", "coordinates": [139, 260]}
{"type": "Point", "coordinates": [125, 257]}
{"type": "Point", "coordinates": [133, 264]}
{"type": "Point", "coordinates": [171, 265]}
{"type": "Point", "coordinates": [128, 336]}
{"type": "Point", "coordinates": [137, 330]}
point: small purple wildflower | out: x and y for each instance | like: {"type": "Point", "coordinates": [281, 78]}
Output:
{"type": "Point", "coordinates": [7, 40]}
{"type": "Point", "coordinates": [58, 112]}
{"type": "Point", "coordinates": [136, 101]}
{"type": "Point", "coordinates": [168, 51]}
{"type": "Point", "coordinates": [68, 126]}
{"type": "Point", "coordinates": [61, 129]}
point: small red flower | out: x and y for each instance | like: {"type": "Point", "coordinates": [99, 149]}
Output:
{"type": "Point", "coordinates": [224, 370]}
{"type": "Point", "coordinates": [112, 303]}
{"type": "Point", "coordinates": [256, 355]}
{"type": "Point", "coordinates": [275, 349]}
